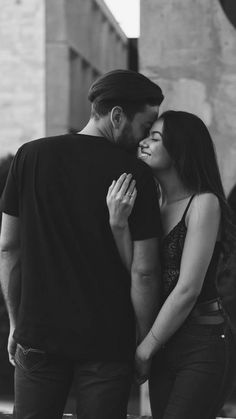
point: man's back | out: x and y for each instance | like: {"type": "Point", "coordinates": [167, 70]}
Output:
{"type": "Point", "coordinates": [75, 291]}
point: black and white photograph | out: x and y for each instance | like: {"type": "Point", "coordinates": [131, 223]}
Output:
{"type": "Point", "coordinates": [118, 209]}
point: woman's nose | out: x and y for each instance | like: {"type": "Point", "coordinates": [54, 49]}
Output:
{"type": "Point", "coordinates": [144, 142]}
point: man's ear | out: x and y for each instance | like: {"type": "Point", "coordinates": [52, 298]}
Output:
{"type": "Point", "coordinates": [116, 116]}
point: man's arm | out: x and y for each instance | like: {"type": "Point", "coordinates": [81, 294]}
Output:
{"type": "Point", "coordinates": [10, 273]}
{"type": "Point", "coordinates": [145, 285]}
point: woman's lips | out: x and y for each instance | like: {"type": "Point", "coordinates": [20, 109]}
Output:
{"type": "Point", "coordinates": [143, 153]}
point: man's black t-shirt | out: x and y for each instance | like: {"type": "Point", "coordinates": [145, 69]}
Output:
{"type": "Point", "coordinates": [75, 291]}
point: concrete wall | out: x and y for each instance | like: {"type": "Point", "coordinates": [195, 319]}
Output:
{"type": "Point", "coordinates": [22, 72]}
{"type": "Point", "coordinates": [50, 52]}
{"type": "Point", "coordinates": [189, 48]}
{"type": "Point", "coordinates": [57, 68]}
{"type": "Point", "coordinates": [83, 40]}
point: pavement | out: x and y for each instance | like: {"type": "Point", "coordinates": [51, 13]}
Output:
{"type": "Point", "coordinates": [6, 407]}
{"type": "Point", "coordinates": [70, 416]}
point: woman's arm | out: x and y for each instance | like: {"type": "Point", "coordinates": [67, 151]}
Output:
{"type": "Point", "coordinates": [202, 228]}
{"type": "Point", "coordinates": [120, 201]}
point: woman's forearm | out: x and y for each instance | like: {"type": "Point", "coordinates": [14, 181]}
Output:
{"type": "Point", "coordinates": [202, 229]}
{"type": "Point", "coordinates": [171, 316]}
{"type": "Point", "coordinates": [124, 244]}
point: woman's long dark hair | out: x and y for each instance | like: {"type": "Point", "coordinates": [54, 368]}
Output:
{"type": "Point", "coordinates": [189, 144]}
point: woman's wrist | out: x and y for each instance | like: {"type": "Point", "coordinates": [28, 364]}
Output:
{"type": "Point", "coordinates": [12, 323]}
{"type": "Point", "coordinates": [156, 343]}
{"type": "Point", "coordinates": [149, 346]}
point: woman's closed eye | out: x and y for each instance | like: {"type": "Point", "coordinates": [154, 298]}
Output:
{"type": "Point", "coordinates": [155, 137]}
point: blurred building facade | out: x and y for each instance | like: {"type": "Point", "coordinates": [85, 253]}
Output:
{"type": "Point", "coordinates": [50, 52]}
{"type": "Point", "coordinates": [189, 48]}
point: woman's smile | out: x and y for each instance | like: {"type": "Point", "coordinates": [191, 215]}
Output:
{"type": "Point", "coordinates": [143, 153]}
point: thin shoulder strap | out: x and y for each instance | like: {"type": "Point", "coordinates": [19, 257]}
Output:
{"type": "Point", "coordinates": [187, 207]}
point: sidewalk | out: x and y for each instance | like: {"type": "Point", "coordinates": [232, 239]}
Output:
{"type": "Point", "coordinates": [70, 416]}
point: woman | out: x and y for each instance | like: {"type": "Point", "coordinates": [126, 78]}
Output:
{"type": "Point", "coordinates": [190, 344]}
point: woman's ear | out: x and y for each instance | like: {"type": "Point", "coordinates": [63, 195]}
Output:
{"type": "Point", "coordinates": [116, 117]}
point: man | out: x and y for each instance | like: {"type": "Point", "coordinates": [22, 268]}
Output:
{"type": "Point", "coordinates": [67, 291]}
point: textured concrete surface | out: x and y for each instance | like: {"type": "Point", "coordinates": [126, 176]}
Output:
{"type": "Point", "coordinates": [189, 48]}
{"type": "Point", "coordinates": [83, 40]}
{"type": "Point", "coordinates": [22, 61]}
{"type": "Point", "coordinates": [50, 52]}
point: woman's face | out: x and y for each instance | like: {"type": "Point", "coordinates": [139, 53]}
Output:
{"type": "Point", "coordinates": [152, 151]}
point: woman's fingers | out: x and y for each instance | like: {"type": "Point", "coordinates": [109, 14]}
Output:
{"type": "Point", "coordinates": [133, 197]}
{"type": "Point", "coordinates": [119, 183]}
{"type": "Point", "coordinates": [131, 187]}
{"type": "Point", "coordinates": [111, 187]}
{"type": "Point", "coordinates": [123, 188]}
{"type": "Point", "coordinates": [129, 191]}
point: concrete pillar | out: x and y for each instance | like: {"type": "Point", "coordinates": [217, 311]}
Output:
{"type": "Point", "coordinates": [22, 72]}
{"type": "Point", "coordinates": [189, 48]}
{"type": "Point", "coordinates": [57, 69]}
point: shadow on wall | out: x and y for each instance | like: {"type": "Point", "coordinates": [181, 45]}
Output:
{"type": "Point", "coordinates": [6, 370]}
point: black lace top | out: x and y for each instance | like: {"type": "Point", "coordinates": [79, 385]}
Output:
{"type": "Point", "coordinates": [171, 253]}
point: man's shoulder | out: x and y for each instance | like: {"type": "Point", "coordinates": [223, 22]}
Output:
{"type": "Point", "coordinates": [44, 141]}
{"type": "Point", "coordinates": [141, 168]}
{"type": "Point", "coordinates": [38, 144]}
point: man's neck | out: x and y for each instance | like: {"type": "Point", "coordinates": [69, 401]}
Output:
{"type": "Point", "coordinates": [91, 129]}
{"type": "Point", "coordinates": [96, 129]}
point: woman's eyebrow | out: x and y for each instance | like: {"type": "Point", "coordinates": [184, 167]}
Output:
{"type": "Point", "coordinates": [157, 132]}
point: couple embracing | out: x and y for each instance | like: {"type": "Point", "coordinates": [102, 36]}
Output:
{"type": "Point", "coordinates": [108, 262]}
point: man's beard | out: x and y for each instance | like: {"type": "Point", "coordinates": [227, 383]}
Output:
{"type": "Point", "coordinates": [127, 141]}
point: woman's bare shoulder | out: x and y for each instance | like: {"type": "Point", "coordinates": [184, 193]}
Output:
{"type": "Point", "coordinates": [205, 206]}
{"type": "Point", "coordinates": [207, 200]}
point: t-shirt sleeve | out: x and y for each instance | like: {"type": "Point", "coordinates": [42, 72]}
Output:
{"type": "Point", "coordinates": [145, 221]}
{"type": "Point", "coordinates": [9, 202]}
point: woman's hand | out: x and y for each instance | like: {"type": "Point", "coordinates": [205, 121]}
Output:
{"type": "Point", "coordinates": [142, 365]}
{"type": "Point", "coordinates": [143, 356]}
{"type": "Point", "coordinates": [120, 200]}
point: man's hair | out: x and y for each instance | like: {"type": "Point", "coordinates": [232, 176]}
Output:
{"type": "Point", "coordinates": [125, 88]}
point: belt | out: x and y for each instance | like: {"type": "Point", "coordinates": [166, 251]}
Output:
{"type": "Point", "coordinates": [209, 312]}
{"type": "Point", "coordinates": [207, 307]}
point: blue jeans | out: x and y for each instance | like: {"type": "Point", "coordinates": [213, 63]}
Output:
{"type": "Point", "coordinates": [42, 384]}
{"type": "Point", "coordinates": [192, 375]}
